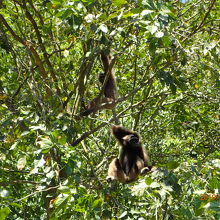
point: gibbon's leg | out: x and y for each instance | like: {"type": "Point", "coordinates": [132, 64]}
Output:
{"type": "Point", "coordinates": [136, 170]}
{"type": "Point", "coordinates": [107, 103]}
{"type": "Point", "coordinates": [99, 103]}
{"type": "Point", "coordinates": [92, 107]}
{"type": "Point", "coordinates": [115, 172]}
{"type": "Point", "coordinates": [139, 164]}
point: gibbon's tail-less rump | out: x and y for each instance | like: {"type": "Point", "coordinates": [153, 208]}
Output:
{"type": "Point", "coordinates": [132, 161]}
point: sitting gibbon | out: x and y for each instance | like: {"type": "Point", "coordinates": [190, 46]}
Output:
{"type": "Point", "coordinates": [132, 161]}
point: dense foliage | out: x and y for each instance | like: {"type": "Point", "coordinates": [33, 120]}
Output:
{"type": "Point", "coordinates": [53, 163]}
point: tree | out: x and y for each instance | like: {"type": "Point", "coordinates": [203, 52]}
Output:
{"type": "Point", "coordinates": [166, 61]}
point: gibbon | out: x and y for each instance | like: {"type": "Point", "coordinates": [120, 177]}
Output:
{"type": "Point", "coordinates": [108, 101]}
{"type": "Point", "coordinates": [132, 161]}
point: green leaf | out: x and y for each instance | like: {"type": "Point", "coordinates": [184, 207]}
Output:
{"type": "Point", "coordinates": [45, 144]}
{"type": "Point", "coordinates": [153, 46]}
{"type": "Point", "coordinates": [118, 2]}
{"type": "Point", "coordinates": [148, 180]}
{"type": "Point", "coordinates": [154, 185]}
{"type": "Point", "coordinates": [103, 28]}
{"type": "Point", "coordinates": [159, 34]}
{"type": "Point", "coordinates": [173, 88]}
{"type": "Point", "coordinates": [89, 18]}
{"type": "Point", "coordinates": [123, 214]}
{"type": "Point", "coordinates": [97, 203]}
{"type": "Point", "coordinates": [4, 193]}
{"type": "Point", "coordinates": [146, 12]}
{"type": "Point", "coordinates": [41, 127]}
{"type": "Point", "coordinates": [186, 213]}
{"type": "Point", "coordinates": [4, 212]}
{"type": "Point", "coordinates": [60, 202]}
{"type": "Point", "coordinates": [214, 183]}
{"type": "Point", "coordinates": [144, 23]}
{"type": "Point", "coordinates": [172, 164]}
{"type": "Point", "coordinates": [152, 28]}
{"type": "Point", "coordinates": [214, 205]}
{"type": "Point", "coordinates": [40, 163]}
{"type": "Point", "coordinates": [166, 41]}
{"type": "Point", "coordinates": [21, 163]}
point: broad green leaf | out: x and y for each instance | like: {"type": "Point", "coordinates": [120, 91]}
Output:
{"type": "Point", "coordinates": [2, 156]}
{"type": "Point", "coordinates": [4, 212]}
{"type": "Point", "coordinates": [60, 202]}
{"type": "Point", "coordinates": [166, 41]}
{"type": "Point", "coordinates": [21, 163]}
{"type": "Point", "coordinates": [148, 180]}
{"type": "Point", "coordinates": [40, 163]}
{"type": "Point", "coordinates": [97, 203]}
{"type": "Point", "coordinates": [45, 144]}
{"type": "Point", "coordinates": [4, 193]}
{"type": "Point", "coordinates": [214, 205]}
{"type": "Point", "coordinates": [89, 18]}
{"type": "Point", "coordinates": [152, 29]}
{"type": "Point", "coordinates": [159, 34]}
{"type": "Point", "coordinates": [154, 185]}
{"type": "Point", "coordinates": [103, 28]}
{"type": "Point", "coordinates": [146, 12]}
{"type": "Point", "coordinates": [38, 127]}
{"type": "Point", "coordinates": [118, 2]}
{"type": "Point", "coordinates": [123, 214]}
{"type": "Point", "coordinates": [172, 164]}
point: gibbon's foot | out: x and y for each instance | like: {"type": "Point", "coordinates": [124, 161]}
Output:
{"type": "Point", "coordinates": [145, 170]}
{"type": "Point", "coordinates": [109, 179]}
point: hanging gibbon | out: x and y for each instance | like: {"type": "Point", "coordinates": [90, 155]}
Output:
{"type": "Point", "coordinates": [108, 99]}
{"type": "Point", "coordinates": [132, 161]}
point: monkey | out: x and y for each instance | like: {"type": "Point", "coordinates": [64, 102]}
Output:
{"type": "Point", "coordinates": [109, 89]}
{"type": "Point", "coordinates": [133, 159]}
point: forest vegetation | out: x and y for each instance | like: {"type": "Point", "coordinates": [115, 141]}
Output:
{"type": "Point", "coordinates": [165, 57]}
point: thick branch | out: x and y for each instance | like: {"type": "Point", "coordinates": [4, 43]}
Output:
{"type": "Point", "coordinates": [39, 37]}
{"type": "Point", "coordinates": [86, 134]}
{"type": "Point", "coordinates": [28, 45]}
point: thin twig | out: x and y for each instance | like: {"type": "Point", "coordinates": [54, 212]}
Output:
{"type": "Point", "coordinates": [36, 192]}
{"type": "Point", "coordinates": [18, 182]}
{"type": "Point", "coordinates": [202, 22]}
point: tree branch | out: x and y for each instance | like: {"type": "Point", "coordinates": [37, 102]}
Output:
{"type": "Point", "coordinates": [18, 182]}
{"type": "Point", "coordinates": [202, 22]}
{"type": "Point", "coordinates": [32, 194]}
{"type": "Point", "coordinates": [45, 54]}
{"type": "Point", "coordinates": [30, 47]}
{"type": "Point", "coordinates": [88, 133]}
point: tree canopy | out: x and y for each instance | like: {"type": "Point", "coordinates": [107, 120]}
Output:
{"type": "Point", "coordinates": [53, 162]}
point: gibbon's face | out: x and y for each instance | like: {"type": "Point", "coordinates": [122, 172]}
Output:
{"type": "Point", "coordinates": [132, 140]}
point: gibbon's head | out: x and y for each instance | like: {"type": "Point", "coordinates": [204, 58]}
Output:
{"type": "Point", "coordinates": [131, 140]}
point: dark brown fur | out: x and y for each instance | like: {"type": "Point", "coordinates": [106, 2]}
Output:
{"type": "Point", "coordinates": [132, 159]}
{"type": "Point", "coordinates": [108, 101]}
